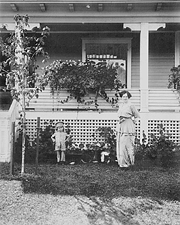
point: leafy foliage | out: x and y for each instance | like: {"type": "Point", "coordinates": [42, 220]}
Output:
{"type": "Point", "coordinates": [46, 147]}
{"type": "Point", "coordinates": [174, 78]}
{"type": "Point", "coordinates": [30, 153]}
{"type": "Point", "coordinates": [141, 147]}
{"type": "Point", "coordinates": [159, 147]}
{"type": "Point", "coordinates": [82, 78]}
{"type": "Point", "coordinates": [20, 50]}
{"type": "Point", "coordinates": [109, 136]}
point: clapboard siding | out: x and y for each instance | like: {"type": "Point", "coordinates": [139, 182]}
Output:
{"type": "Point", "coordinates": [48, 102]}
{"type": "Point", "coordinates": [135, 71]}
{"type": "Point", "coordinates": [159, 99]}
{"type": "Point", "coordinates": [159, 70]}
{"type": "Point", "coordinates": [163, 99]}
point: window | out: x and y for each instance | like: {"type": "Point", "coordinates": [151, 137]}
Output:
{"type": "Point", "coordinates": [116, 51]}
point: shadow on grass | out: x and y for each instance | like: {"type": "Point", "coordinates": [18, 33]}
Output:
{"type": "Point", "coordinates": [102, 180]}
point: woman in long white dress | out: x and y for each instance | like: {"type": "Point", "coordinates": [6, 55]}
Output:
{"type": "Point", "coordinates": [127, 114]}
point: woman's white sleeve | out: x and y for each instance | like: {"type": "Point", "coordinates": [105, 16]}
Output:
{"type": "Point", "coordinates": [135, 112]}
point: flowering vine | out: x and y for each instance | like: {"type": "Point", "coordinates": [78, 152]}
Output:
{"type": "Point", "coordinates": [82, 78]}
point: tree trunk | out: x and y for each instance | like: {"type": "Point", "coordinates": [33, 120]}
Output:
{"type": "Point", "coordinates": [23, 134]}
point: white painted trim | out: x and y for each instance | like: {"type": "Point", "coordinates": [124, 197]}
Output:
{"type": "Point", "coordinates": [144, 66]}
{"type": "Point", "coordinates": [155, 26]}
{"type": "Point", "coordinates": [132, 26]}
{"type": "Point", "coordinates": [12, 26]}
{"type": "Point", "coordinates": [177, 48]}
{"type": "Point", "coordinates": [114, 41]}
{"type": "Point", "coordinates": [137, 26]}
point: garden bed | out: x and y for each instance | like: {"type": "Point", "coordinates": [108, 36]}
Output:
{"type": "Point", "coordinates": [77, 156]}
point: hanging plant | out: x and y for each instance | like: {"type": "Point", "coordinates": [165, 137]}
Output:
{"type": "Point", "coordinates": [174, 78]}
{"type": "Point", "coordinates": [82, 78]}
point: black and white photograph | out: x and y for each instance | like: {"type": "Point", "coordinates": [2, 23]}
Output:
{"type": "Point", "coordinates": [90, 112]}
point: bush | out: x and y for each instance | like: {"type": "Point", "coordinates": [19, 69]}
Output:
{"type": "Point", "coordinates": [45, 146]}
{"type": "Point", "coordinates": [141, 147]}
{"type": "Point", "coordinates": [159, 147]}
{"type": "Point", "coordinates": [30, 153]}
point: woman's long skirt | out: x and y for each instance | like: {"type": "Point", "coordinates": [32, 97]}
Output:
{"type": "Point", "coordinates": [125, 143]}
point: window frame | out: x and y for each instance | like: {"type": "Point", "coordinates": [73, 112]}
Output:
{"type": "Point", "coordinates": [111, 41]}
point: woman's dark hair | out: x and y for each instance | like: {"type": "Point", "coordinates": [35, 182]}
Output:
{"type": "Point", "coordinates": [125, 92]}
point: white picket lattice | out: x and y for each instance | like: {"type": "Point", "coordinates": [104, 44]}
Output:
{"type": "Point", "coordinates": [171, 127]}
{"type": "Point", "coordinates": [82, 130]}
{"type": "Point", "coordinates": [84, 124]}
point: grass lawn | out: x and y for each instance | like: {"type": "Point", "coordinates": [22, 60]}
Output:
{"type": "Point", "coordinates": [148, 194]}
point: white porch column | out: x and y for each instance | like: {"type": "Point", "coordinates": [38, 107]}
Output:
{"type": "Point", "coordinates": [177, 48]}
{"type": "Point", "coordinates": [144, 66]}
{"type": "Point", "coordinates": [144, 61]}
{"type": "Point", "coordinates": [144, 29]}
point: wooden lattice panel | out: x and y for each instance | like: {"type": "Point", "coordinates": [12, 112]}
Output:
{"type": "Point", "coordinates": [82, 130]}
{"type": "Point", "coordinates": [172, 127]}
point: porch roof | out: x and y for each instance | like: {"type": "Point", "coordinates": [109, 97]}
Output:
{"type": "Point", "coordinates": [92, 1]}
{"type": "Point", "coordinates": [81, 11]}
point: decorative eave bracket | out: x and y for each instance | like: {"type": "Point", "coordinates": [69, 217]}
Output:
{"type": "Point", "coordinates": [137, 26]}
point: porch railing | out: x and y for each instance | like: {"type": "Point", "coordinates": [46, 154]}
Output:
{"type": "Point", "coordinates": [159, 100]}
{"type": "Point", "coordinates": [163, 100]}
{"type": "Point", "coordinates": [49, 102]}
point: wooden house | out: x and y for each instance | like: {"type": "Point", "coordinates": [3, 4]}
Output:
{"type": "Point", "coordinates": [141, 35]}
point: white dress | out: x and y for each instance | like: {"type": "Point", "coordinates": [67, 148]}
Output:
{"type": "Point", "coordinates": [126, 134]}
{"type": "Point", "coordinates": [60, 140]}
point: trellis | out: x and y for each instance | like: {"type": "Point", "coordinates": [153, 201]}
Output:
{"type": "Point", "coordinates": [84, 125]}
{"type": "Point", "coordinates": [82, 130]}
